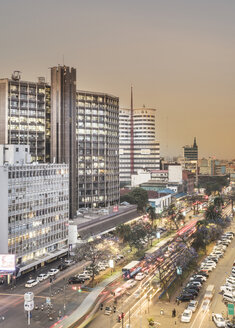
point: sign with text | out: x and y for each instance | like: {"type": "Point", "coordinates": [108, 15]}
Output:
{"type": "Point", "coordinates": [230, 309]}
{"type": "Point", "coordinates": [7, 263]}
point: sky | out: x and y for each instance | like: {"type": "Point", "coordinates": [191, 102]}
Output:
{"type": "Point", "coordinates": [179, 55]}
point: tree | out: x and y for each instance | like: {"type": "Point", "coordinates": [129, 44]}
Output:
{"type": "Point", "coordinates": [141, 198]}
{"type": "Point", "coordinates": [152, 214]}
{"type": "Point", "coordinates": [218, 202]}
{"type": "Point", "coordinates": [212, 214]}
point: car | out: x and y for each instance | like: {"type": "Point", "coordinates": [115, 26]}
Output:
{"type": "Point", "coordinates": [192, 291]}
{"type": "Point", "coordinates": [231, 233]}
{"type": "Point", "coordinates": [31, 283]}
{"type": "Point", "coordinates": [191, 286]}
{"type": "Point", "coordinates": [196, 283]}
{"type": "Point", "coordinates": [229, 297]}
{"type": "Point", "coordinates": [102, 267]}
{"type": "Point", "coordinates": [130, 283]}
{"type": "Point", "coordinates": [227, 289]}
{"type": "Point", "coordinates": [203, 273]}
{"type": "Point", "coordinates": [185, 297]}
{"type": "Point", "coordinates": [186, 316]}
{"type": "Point", "coordinates": [230, 324]}
{"type": "Point", "coordinates": [203, 278]}
{"type": "Point", "coordinates": [75, 280]}
{"type": "Point", "coordinates": [140, 276]}
{"type": "Point", "coordinates": [207, 267]}
{"type": "Point", "coordinates": [83, 276]}
{"type": "Point", "coordinates": [213, 258]}
{"type": "Point", "coordinates": [210, 263]}
{"type": "Point", "coordinates": [192, 305]}
{"type": "Point", "coordinates": [196, 279]}
{"type": "Point", "coordinates": [69, 262]}
{"type": "Point", "coordinates": [42, 276]}
{"type": "Point", "coordinates": [62, 267]}
{"type": "Point", "coordinates": [137, 293]}
{"type": "Point", "coordinates": [218, 320]}
{"type": "Point", "coordinates": [107, 310]}
{"type": "Point", "coordinates": [205, 305]}
{"type": "Point", "coordinates": [53, 272]}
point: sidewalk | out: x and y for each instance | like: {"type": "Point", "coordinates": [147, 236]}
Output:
{"type": "Point", "coordinates": [87, 305]}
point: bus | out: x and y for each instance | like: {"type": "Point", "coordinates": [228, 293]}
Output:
{"type": "Point", "coordinates": [131, 269]}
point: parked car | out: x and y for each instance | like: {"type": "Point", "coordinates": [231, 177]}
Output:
{"type": "Point", "coordinates": [185, 297]}
{"type": "Point", "coordinates": [62, 266]}
{"type": "Point", "coordinates": [186, 315]}
{"type": "Point", "coordinates": [192, 291]}
{"type": "Point", "coordinates": [203, 278]}
{"type": "Point", "coordinates": [229, 297]}
{"type": "Point", "coordinates": [75, 280]}
{"type": "Point", "coordinates": [196, 283]}
{"type": "Point", "coordinates": [83, 276]}
{"type": "Point", "coordinates": [218, 320]}
{"type": "Point", "coordinates": [192, 305]}
{"type": "Point", "coordinates": [53, 272]}
{"type": "Point", "coordinates": [203, 273]}
{"type": "Point", "coordinates": [191, 286]}
{"type": "Point", "coordinates": [31, 283]}
{"type": "Point", "coordinates": [42, 276]}
{"type": "Point", "coordinates": [69, 262]}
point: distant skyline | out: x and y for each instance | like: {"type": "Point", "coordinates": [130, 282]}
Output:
{"type": "Point", "coordinates": [179, 56]}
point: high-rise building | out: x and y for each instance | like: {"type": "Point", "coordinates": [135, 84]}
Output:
{"type": "Point", "coordinates": [34, 208]}
{"type": "Point", "coordinates": [63, 126]}
{"type": "Point", "coordinates": [191, 152]}
{"type": "Point", "coordinates": [144, 151]}
{"type": "Point", "coordinates": [98, 147]}
{"type": "Point", "coordinates": [24, 117]}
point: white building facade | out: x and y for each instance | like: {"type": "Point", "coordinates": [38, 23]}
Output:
{"type": "Point", "coordinates": [146, 148]}
{"type": "Point", "coordinates": [34, 201]}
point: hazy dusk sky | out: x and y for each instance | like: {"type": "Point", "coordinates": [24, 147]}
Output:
{"type": "Point", "coordinates": [179, 55]}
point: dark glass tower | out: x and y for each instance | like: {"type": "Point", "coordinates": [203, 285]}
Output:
{"type": "Point", "coordinates": [63, 126]}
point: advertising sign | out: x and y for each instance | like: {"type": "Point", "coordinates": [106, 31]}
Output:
{"type": "Point", "coordinates": [7, 263]}
{"type": "Point", "coordinates": [230, 309]}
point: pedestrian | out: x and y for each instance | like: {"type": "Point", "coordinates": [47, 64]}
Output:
{"type": "Point", "coordinates": [173, 313]}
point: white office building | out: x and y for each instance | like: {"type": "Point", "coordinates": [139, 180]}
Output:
{"type": "Point", "coordinates": [145, 152]}
{"type": "Point", "coordinates": [34, 202]}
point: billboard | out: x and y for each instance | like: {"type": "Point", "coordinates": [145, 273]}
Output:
{"type": "Point", "coordinates": [7, 263]}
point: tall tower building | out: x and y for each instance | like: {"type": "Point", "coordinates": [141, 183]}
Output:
{"type": "Point", "coordinates": [63, 125]}
{"type": "Point", "coordinates": [24, 114]}
{"type": "Point", "coordinates": [144, 151]}
{"type": "Point", "coordinates": [191, 152]}
{"type": "Point", "coordinates": [98, 148]}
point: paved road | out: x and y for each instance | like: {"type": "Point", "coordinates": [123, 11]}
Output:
{"type": "Point", "coordinates": [12, 301]}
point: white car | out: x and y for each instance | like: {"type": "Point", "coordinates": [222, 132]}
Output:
{"type": "Point", "coordinates": [203, 278]}
{"type": "Point", "coordinates": [53, 272]}
{"type": "Point", "coordinates": [210, 263]}
{"type": "Point", "coordinates": [186, 315]}
{"type": "Point", "coordinates": [218, 320]}
{"type": "Point", "coordinates": [192, 305]}
{"type": "Point", "coordinates": [42, 276]}
{"type": "Point", "coordinates": [205, 305]}
{"type": "Point", "coordinates": [83, 276]}
{"type": "Point", "coordinates": [69, 262]}
{"type": "Point", "coordinates": [130, 283]}
{"type": "Point", "coordinates": [206, 267]}
{"type": "Point", "coordinates": [31, 283]}
{"type": "Point", "coordinates": [140, 276]}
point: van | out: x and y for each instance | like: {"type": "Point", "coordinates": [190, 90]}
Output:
{"type": "Point", "coordinates": [227, 297]}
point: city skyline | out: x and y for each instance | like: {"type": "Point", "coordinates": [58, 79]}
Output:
{"type": "Point", "coordinates": [179, 58]}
